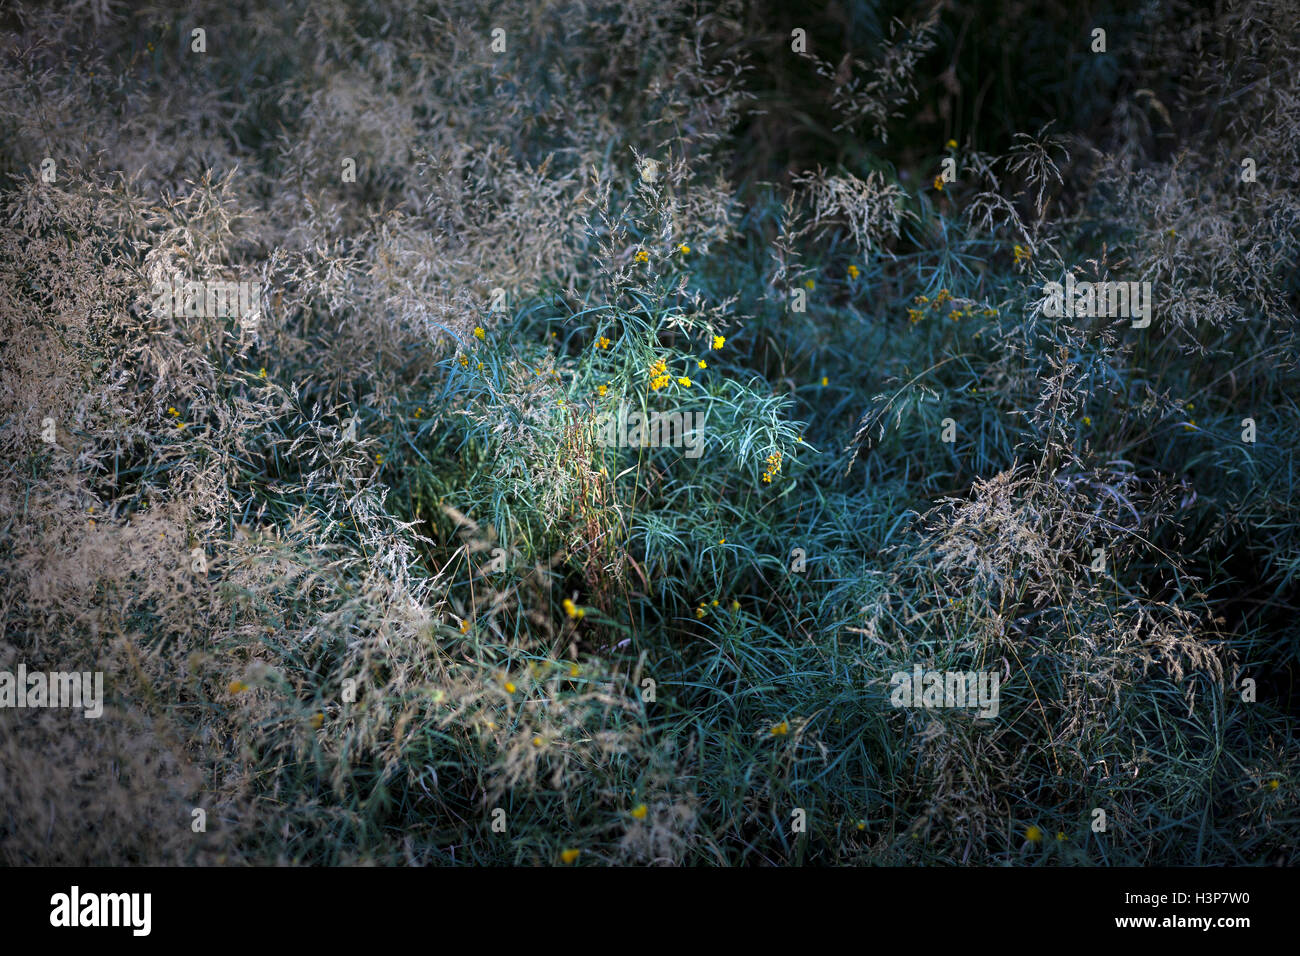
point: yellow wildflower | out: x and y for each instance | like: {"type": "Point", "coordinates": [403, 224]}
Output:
{"type": "Point", "coordinates": [639, 811]}
{"type": "Point", "coordinates": [479, 333]}
{"type": "Point", "coordinates": [1033, 834]}
{"type": "Point", "coordinates": [853, 272]}
{"type": "Point", "coordinates": [719, 341]}
{"type": "Point", "coordinates": [570, 856]}
{"type": "Point", "coordinates": [781, 729]}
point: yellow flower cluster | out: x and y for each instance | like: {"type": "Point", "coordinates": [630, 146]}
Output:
{"type": "Point", "coordinates": [915, 315]}
{"type": "Point", "coordinates": [659, 377]}
{"type": "Point", "coordinates": [1020, 253]}
{"type": "Point", "coordinates": [602, 342]}
{"type": "Point", "coordinates": [641, 256]}
{"type": "Point", "coordinates": [773, 466]}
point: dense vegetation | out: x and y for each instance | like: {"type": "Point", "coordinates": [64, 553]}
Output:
{"type": "Point", "coordinates": [366, 585]}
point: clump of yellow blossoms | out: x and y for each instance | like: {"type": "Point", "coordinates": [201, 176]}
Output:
{"type": "Point", "coordinates": [659, 377]}
{"type": "Point", "coordinates": [773, 466]}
